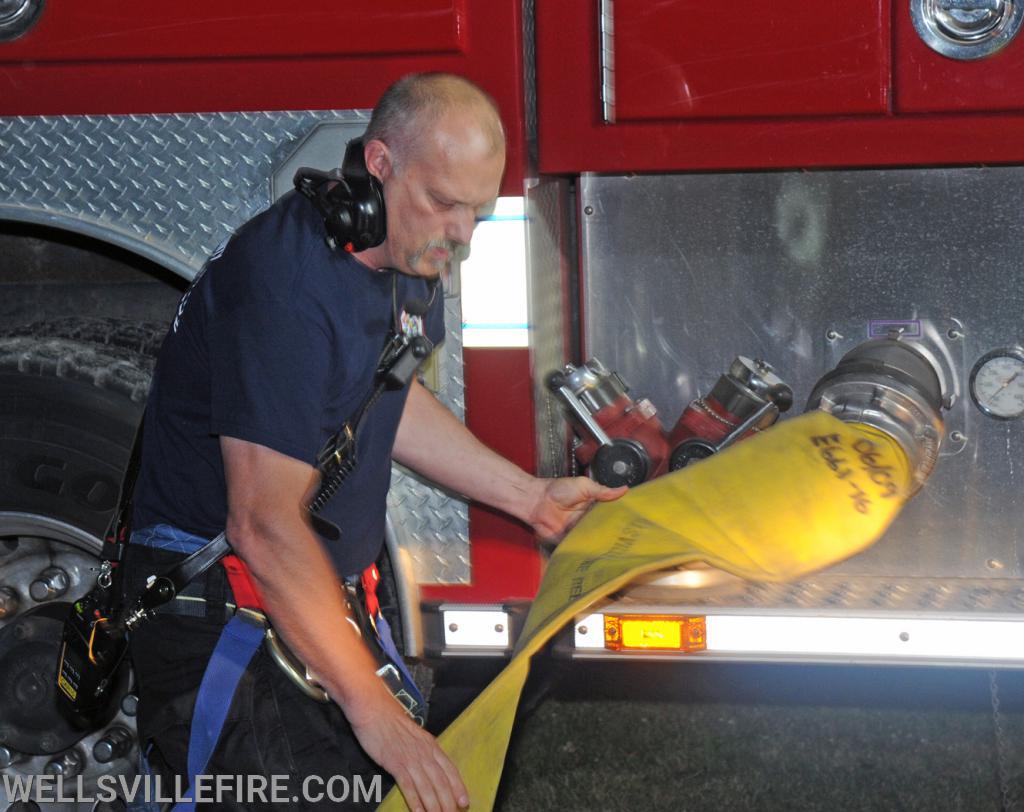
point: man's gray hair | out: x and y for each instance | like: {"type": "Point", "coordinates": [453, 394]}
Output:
{"type": "Point", "coordinates": [417, 100]}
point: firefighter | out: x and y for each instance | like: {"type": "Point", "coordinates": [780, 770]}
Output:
{"type": "Point", "coordinates": [274, 346]}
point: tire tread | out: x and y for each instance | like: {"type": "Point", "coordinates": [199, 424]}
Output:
{"type": "Point", "coordinates": [109, 354]}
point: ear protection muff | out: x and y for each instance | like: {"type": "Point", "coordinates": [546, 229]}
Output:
{"type": "Point", "coordinates": [350, 200]}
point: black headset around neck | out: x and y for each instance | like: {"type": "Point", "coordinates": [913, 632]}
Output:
{"type": "Point", "coordinates": [350, 200]}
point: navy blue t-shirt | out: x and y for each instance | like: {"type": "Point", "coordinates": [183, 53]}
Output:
{"type": "Point", "coordinates": [276, 343]}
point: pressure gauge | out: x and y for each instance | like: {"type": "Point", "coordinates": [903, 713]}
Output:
{"type": "Point", "coordinates": [997, 383]}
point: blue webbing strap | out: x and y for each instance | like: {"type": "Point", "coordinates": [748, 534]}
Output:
{"type": "Point", "coordinates": [235, 648]}
{"type": "Point", "coordinates": [387, 642]}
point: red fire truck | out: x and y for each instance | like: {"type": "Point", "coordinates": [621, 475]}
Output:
{"type": "Point", "coordinates": [701, 183]}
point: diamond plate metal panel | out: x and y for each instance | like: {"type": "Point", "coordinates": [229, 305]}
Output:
{"type": "Point", "coordinates": [171, 188]}
{"type": "Point", "coordinates": [433, 526]}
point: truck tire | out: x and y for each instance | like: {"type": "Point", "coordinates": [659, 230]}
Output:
{"type": "Point", "coordinates": [71, 395]}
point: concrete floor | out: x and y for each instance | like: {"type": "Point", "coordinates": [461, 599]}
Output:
{"type": "Point", "coordinates": [617, 736]}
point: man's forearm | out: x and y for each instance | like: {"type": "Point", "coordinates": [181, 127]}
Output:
{"type": "Point", "coordinates": [433, 442]}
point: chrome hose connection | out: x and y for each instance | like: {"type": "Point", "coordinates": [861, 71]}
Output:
{"type": "Point", "coordinates": [887, 384]}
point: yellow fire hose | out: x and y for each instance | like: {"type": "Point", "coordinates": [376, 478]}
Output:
{"type": "Point", "coordinates": [803, 495]}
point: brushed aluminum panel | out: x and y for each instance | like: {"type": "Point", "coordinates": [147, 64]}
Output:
{"type": "Point", "coordinates": [832, 592]}
{"type": "Point", "coordinates": [172, 188]}
{"type": "Point", "coordinates": [683, 272]}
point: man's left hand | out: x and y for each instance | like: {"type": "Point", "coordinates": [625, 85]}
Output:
{"type": "Point", "coordinates": [563, 501]}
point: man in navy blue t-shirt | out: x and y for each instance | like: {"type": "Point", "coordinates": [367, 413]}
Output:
{"type": "Point", "coordinates": [272, 349]}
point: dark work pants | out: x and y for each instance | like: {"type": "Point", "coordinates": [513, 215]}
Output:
{"type": "Point", "coordinates": [272, 728]}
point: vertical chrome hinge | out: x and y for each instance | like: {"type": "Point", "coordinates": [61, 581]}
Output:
{"type": "Point", "coordinates": [607, 23]}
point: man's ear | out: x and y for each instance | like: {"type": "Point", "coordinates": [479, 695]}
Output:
{"type": "Point", "coordinates": [379, 162]}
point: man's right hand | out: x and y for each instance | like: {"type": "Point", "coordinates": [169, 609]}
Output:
{"type": "Point", "coordinates": [426, 776]}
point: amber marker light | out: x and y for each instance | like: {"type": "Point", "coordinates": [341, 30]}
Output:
{"type": "Point", "coordinates": [655, 633]}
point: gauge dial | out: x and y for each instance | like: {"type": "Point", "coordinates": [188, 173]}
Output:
{"type": "Point", "coordinates": [997, 383]}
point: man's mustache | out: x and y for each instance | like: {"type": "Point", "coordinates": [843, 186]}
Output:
{"type": "Point", "coordinates": [455, 249]}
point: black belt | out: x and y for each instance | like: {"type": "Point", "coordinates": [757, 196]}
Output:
{"type": "Point", "coordinates": [197, 606]}
{"type": "Point", "coordinates": [194, 601]}
{"type": "Point", "coordinates": [207, 596]}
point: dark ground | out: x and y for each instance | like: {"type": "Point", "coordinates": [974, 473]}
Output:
{"type": "Point", "coordinates": [703, 736]}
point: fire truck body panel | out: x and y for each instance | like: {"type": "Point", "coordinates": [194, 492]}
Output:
{"type": "Point", "coordinates": [203, 58]}
{"type": "Point", "coordinates": [577, 43]}
{"type": "Point", "coordinates": [798, 268]}
{"type": "Point", "coordinates": [203, 30]}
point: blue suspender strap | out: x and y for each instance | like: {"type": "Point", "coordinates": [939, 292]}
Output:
{"type": "Point", "coordinates": [235, 648]}
{"type": "Point", "coordinates": [167, 537]}
{"type": "Point", "coordinates": [387, 642]}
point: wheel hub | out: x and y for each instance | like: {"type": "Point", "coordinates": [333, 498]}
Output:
{"type": "Point", "coordinates": [60, 561]}
{"type": "Point", "coordinates": [29, 650]}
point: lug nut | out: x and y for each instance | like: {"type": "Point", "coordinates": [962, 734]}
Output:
{"type": "Point", "coordinates": [130, 705]}
{"type": "Point", "coordinates": [67, 766]}
{"type": "Point", "coordinates": [115, 743]}
{"type": "Point", "coordinates": [50, 584]}
{"type": "Point", "coordinates": [8, 602]}
{"type": "Point", "coordinates": [9, 757]}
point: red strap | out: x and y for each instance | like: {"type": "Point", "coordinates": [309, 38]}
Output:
{"type": "Point", "coordinates": [246, 594]}
{"type": "Point", "coordinates": [371, 577]}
